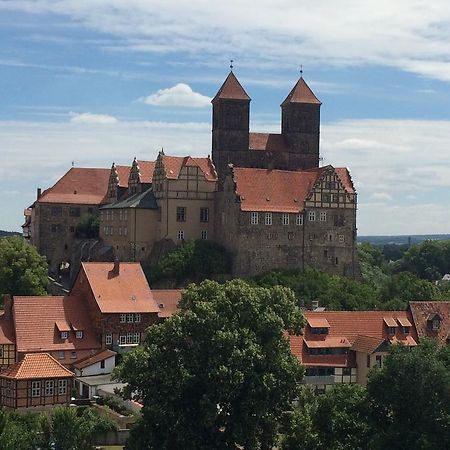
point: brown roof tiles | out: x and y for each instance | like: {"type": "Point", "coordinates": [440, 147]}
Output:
{"type": "Point", "coordinates": [301, 93]}
{"type": "Point", "coordinates": [174, 164]}
{"type": "Point", "coordinates": [79, 185]}
{"type": "Point", "coordinates": [35, 366]}
{"type": "Point", "coordinates": [424, 311]}
{"type": "Point", "coordinates": [231, 89]}
{"type": "Point", "coordinates": [146, 169]}
{"type": "Point", "coordinates": [269, 142]}
{"type": "Point", "coordinates": [93, 359]}
{"type": "Point", "coordinates": [6, 330]}
{"type": "Point", "coordinates": [123, 172]}
{"type": "Point", "coordinates": [167, 301]}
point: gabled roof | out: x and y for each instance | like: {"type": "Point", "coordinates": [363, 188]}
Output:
{"type": "Point", "coordinates": [268, 142]}
{"type": "Point", "coordinates": [80, 185]}
{"type": "Point", "coordinates": [301, 93]}
{"type": "Point", "coordinates": [423, 311]}
{"type": "Point", "coordinates": [140, 200]}
{"type": "Point", "coordinates": [231, 89]}
{"type": "Point", "coordinates": [174, 164]}
{"type": "Point", "coordinates": [6, 330]}
{"type": "Point", "coordinates": [367, 344]}
{"type": "Point", "coordinates": [123, 172]}
{"type": "Point", "coordinates": [127, 292]}
{"type": "Point", "coordinates": [37, 319]}
{"type": "Point", "coordinates": [146, 169]}
{"type": "Point", "coordinates": [35, 366]}
{"type": "Point", "coordinates": [273, 190]}
{"type": "Point", "coordinates": [93, 359]}
{"type": "Point", "coordinates": [167, 301]}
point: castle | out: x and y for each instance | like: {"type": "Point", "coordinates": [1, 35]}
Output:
{"type": "Point", "coordinates": [263, 196]}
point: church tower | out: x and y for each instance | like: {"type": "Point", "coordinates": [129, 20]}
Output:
{"type": "Point", "coordinates": [230, 124]}
{"type": "Point", "coordinates": [300, 124]}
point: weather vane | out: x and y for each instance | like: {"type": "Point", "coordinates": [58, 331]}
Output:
{"type": "Point", "coordinates": [231, 64]}
{"type": "Point", "coordinates": [301, 70]}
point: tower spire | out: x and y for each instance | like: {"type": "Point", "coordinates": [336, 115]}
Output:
{"type": "Point", "coordinates": [231, 65]}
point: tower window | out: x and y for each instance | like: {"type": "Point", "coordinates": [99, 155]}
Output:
{"type": "Point", "coordinates": [254, 218]}
{"type": "Point", "coordinates": [181, 214]}
{"type": "Point", "coordinates": [268, 218]}
{"type": "Point", "coordinates": [312, 216]}
{"type": "Point", "coordinates": [285, 219]}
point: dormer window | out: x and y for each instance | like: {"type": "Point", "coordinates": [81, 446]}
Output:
{"type": "Point", "coordinates": [64, 335]}
{"type": "Point", "coordinates": [435, 324]}
{"type": "Point", "coordinates": [405, 330]}
{"type": "Point", "coordinates": [391, 325]}
{"type": "Point", "coordinates": [434, 321]}
{"type": "Point", "coordinates": [391, 331]}
{"type": "Point", "coordinates": [318, 325]}
{"type": "Point", "coordinates": [405, 325]}
{"type": "Point", "coordinates": [79, 334]}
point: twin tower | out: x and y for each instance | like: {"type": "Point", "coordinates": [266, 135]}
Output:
{"type": "Point", "coordinates": [296, 148]}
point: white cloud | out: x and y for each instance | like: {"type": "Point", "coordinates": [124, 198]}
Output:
{"type": "Point", "coordinates": [412, 35]}
{"type": "Point", "coordinates": [382, 196]}
{"type": "Point", "coordinates": [90, 118]}
{"type": "Point", "coordinates": [178, 95]}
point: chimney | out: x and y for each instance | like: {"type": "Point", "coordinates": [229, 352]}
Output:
{"type": "Point", "coordinates": [7, 306]}
{"type": "Point", "coordinates": [39, 192]}
{"type": "Point", "coordinates": [116, 269]}
{"type": "Point", "coordinates": [315, 304]}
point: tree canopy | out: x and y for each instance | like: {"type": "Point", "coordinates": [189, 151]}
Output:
{"type": "Point", "coordinates": [219, 373]}
{"type": "Point", "coordinates": [22, 270]}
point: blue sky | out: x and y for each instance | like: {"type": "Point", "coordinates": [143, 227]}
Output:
{"type": "Point", "coordinates": [96, 81]}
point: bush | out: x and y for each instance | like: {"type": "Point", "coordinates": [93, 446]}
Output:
{"type": "Point", "coordinates": [88, 227]}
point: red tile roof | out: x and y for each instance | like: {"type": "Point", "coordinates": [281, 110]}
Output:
{"type": "Point", "coordinates": [79, 185]}
{"type": "Point", "coordinates": [35, 366]}
{"type": "Point", "coordinates": [123, 173]}
{"type": "Point", "coordinates": [167, 300]}
{"type": "Point", "coordinates": [231, 89]}
{"type": "Point", "coordinates": [318, 322]}
{"type": "Point", "coordinates": [146, 169]}
{"type": "Point", "coordinates": [346, 180]}
{"type": "Point", "coordinates": [367, 344]}
{"type": "Point", "coordinates": [127, 292]}
{"type": "Point", "coordinates": [6, 330]}
{"type": "Point", "coordinates": [328, 342]}
{"type": "Point", "coordinates": [422, 311]}
{"type": "Point", "coordinates": [301, 93]}
{"type": "Point", "coordinates": [174, 164]}
{"type": "Point", "coordinates": [360, 328]}
{"type": "Point", "coordinates": [36, 318]}
{"type": "Point", "coordinates": [95, 358]}
{"type": "Point", "coordinates": [269, 142]}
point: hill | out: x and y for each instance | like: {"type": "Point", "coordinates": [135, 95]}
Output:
{"type": "Point", "coordinates": [403, 239]}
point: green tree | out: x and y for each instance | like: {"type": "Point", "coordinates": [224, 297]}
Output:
{"type": "Point", "coordinates": [22, 270]}
{"type": "Point", "coordinates": [336, 420]}
{"type": "Point", "coordinates": [88, 226]}
{"type": "Point", "coordinates": [19, 431]}
{"type": "Point", "coordinates": [219, 373]}
{"type": "Point", "coordinates": [410, 402]}
{"type": "Point", "coordinates": [372, 263]}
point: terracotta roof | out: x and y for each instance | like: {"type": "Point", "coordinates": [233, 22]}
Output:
{"type": "Point", "coordinates": [367, 344]}
{"type": "Point", "coordinates": [328, 342]}
{"type": "Point", "coordinates": [37, 365]}
{"type": "Point", "coordinates": [404, 322]}
{"type": "Point", "coordinates": [390, 321]}
{"type": "Point", "coordinates": [123, 172]}
{"type": "Point", "coordinates": [174, 164]}
{"type": "Point", "coordinates": [273, 190]}
{"type": "Point", "coordinates": [349, 325]}
{"type": "Point", "coordinates": [146, 169]}
{"type": "Point", "coordinates": [318, 322]}
{"type": "Point", "coordinates": [408, 341]}
{"type": "Point", "coordinates": [127, 292]}
{"type": "Point", "coordinates": [231, 89]}
{"type": "Point", "coordinates": [346, 179]}
{"type": "Point", "coordinates": [36, 318]}
{"type": "Point", "coordinates": [167, 301]}
{"type": "Point", "coordinates": [95, 358]}
{"type": "Point", "coordinates": [79, 185]}
{"type": "Point", "coordinates": [269, 142]}
{"type": "Point", "coordinates": [422, 310]}
{"type": "Point", "coordinates": [301, 93]}
{"type": "Point", "coordinates": [6, 330]}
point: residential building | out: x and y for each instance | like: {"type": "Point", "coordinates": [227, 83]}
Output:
{"type": "Point", "coordinates": [342, 346]}
{"type": "Point", "coordinates": [37, 380]}
{"type": "Point", "coordinates": [431, 319]}
{"type": "Point", "coordinates": [7, 335]}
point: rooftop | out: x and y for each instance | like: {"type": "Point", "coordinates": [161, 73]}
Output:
{"type": "Point", "coordinates": [231, 89]}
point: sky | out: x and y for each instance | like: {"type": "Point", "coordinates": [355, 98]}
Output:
{"type": "Point", "coordinates": [92, 82]}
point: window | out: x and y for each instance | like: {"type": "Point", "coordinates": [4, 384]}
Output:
{"type": "Point", "coordinates": [341, 238]}
{"type": "Point", "coordinates": [254, 218]}
{"type": "Point", "coordinates": [137, 318]}
{"type": "Point", "coordinates": [319, 330]}
{"type": "Point", "coordinates": [73, 355]}
{"type": "Point", "coordinates": [123, 318]}
{"type": "Point", "coordinates": [56, 211]}
{"type": "Point", "coordinates": [62, 387]}
{"type": "Point", "coordinates": [285, 219]}
{"type": "Point", "coordinates": [102, 364]}
{"type": "Point", "coordinates": [125, 214]}
{"type": "Point", "coordinates": [120, 214]}
{"type": "Point", "coordinates": [125, 231]}
{"type": "Point", "coordinates": [90, 210]}
{"type": "Point", "coordinates": [312, 216]}
{"type": "Point", "coordinates": [268, 218]}
{"type": "Point", "coordinates": [105, 230]}
{"type": "Point", "coordinates": [204, 214]}
{"type": "Point", "coordinates": [101, 216]}
{"type": "Point", "coordinates": [122, 339]}
{"type": "Point", "coordinates": [130, 318]}
{"type": "Point", "coordinates": [49, 387]}
{"type": "Point", "coordinates": [136, 338]}
{"type": "Point", "coordinates": [112, 215]}
{"type": "Point", "coordinates": [326, 198]}
{"type": "Point", "coordinates": [64, 335]}
{"type": "Point", "coordinates": [323, 216]}
{"type": "Point", "coordinates": [72, 229]}
{"type": "Point", "coordinates": [61, 354]}
{"type": "Point", "coordinates": [391, 331]}
{"type": "Point", "coordinates": [108, 339]}
{"type": "Point", "coordinates": [435, 324]}
{"type": "Point", "coordinates": [107, 215]}
{"type": "Point", "coordinates": [130, 338]}
{"type": "Point", "coordinates": [120, 230]}
{"type": "Point", "coordinates": [181, 214]}
{"type": "Point", "coordinates": [74, 212]}
{"type": "Point", "coordinates": [56, 227]}
{"type": "Point", "coordinates": [299, 219]}
{"type": "Point", "coordinates": [79, 334]}
{"type": "Point", "coordinates": [379, 361]}
{"type": "Point", "coordinates": [35, 388]}
{"type": "Point", "coordinates": [1, 352]}
{"type": "Point", "coordinates": [204, 234]}
{"type": "Point", "coordinates": [405, 330]}
{"type": "Point", "coordinates": [180, 235]}
{"type": "Point", "coordinates": [111, 230]}
{"type": "Point", "coordinates": [368, 360]}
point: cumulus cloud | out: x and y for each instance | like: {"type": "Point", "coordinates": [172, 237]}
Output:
{"type": "Point", "coordinates": [178, 95]}
{"type": "Point", "coordinates": [90, 118]}
{"type": "Point", "coordinates": [411, 35]}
